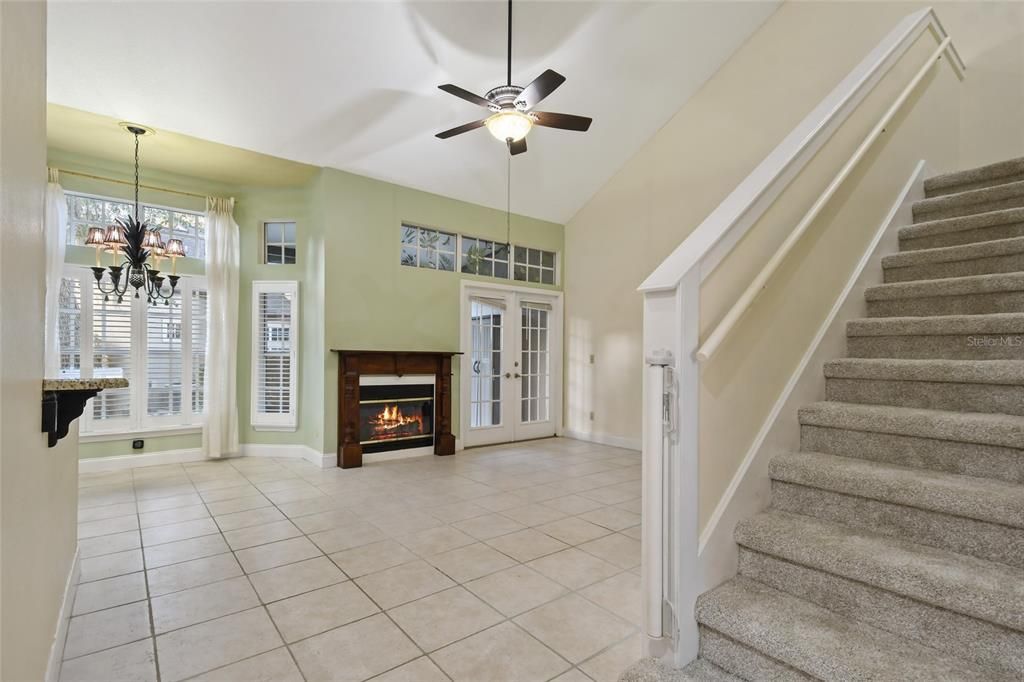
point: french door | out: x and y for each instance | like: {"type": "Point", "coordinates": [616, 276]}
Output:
{"type": "Point", "coordinates": [511, 365]}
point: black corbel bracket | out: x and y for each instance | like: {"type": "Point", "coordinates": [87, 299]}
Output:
{"type": "Point", "coordinates": [60, 408]}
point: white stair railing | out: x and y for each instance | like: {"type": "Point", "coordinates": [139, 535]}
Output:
{"type": "Point", "coordinates": [672, 349]}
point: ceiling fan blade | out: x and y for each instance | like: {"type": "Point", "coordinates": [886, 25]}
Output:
{"type": "Point", "coordinates": [562, 121]}
{"type": "Point", "coordinates": [542, 86]}
{"type": "Point", "coordinates": [517, 147]}
{"type": "Point", "coordinates": [465, 94]}
{"type": "Point", "coordinates": [461, 129]}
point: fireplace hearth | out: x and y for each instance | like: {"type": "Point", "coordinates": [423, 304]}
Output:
{"type": "Point", "coordinates": [396, 416]}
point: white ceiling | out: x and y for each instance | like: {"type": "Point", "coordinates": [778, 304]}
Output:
{"type": "Point", "coordinates": [353, 85]}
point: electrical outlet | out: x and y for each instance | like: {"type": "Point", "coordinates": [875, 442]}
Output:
{"type": "Point", "coordinates": [591, 358]}
{"type": "Point", "coordinates": [591, 416]}
{"type": "Point", "coordinates": [138, 444]}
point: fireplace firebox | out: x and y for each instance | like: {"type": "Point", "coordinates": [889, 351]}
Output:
{"type": "Point", "coordinates": [396, 416]}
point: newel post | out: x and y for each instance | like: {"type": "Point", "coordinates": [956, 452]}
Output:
{"type": "Point", "coordinates": [670, 563]}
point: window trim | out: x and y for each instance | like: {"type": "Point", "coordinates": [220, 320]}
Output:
{"type": "Point", "coordinates": [139, 421]}
{"type": "Point", "coordinates": [264, 421]}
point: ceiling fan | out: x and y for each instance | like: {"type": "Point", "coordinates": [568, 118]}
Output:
{"type": "Point", "coordinates": [512, 114]}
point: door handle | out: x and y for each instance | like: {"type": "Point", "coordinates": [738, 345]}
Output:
{"type": "Point", "coordinates": [517, 375]}
{"type": "Point", "coordinates": [508, 375]}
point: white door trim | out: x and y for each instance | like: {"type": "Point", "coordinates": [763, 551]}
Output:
{"type": "Point", "coordinates": [556, 298]}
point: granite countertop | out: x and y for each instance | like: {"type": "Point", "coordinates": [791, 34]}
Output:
{"type": "Point", "coordinates": [82, 384]}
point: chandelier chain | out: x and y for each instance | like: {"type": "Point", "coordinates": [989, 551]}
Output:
{"type": "Point", "coordinates": [136, 176]}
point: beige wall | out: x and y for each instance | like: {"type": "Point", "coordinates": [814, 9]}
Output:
{"type": "Point", "coordinates": [711, 144]}
{"type": "Point", "coordinates": [38, 486]}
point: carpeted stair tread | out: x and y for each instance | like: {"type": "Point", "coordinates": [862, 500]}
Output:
{"type": "Point", "coordinates": [950, 254]}
{"type": "Point", "coordinates": [960, 224]}
{"type": "Point", "coordinates": [964, 427]}
{"type": "Point", "coordinates": [979, 258]}
{"type": "Point", "coordinates": [1007, 195]}
{"type": "Point", "coordinates": [653, 670]}
{"type": "Point", "coordinates": [991, 646]}
{"type": "Point", "coordinates": [973, 178]}
{"type": "Point", "coordinates": [819, 642]}
{"type": "Point", "coordinates": [954, 286]}
{"type": "Point", "coordinates": [938, 325]}
{"type": "Point", "coordinates": [974, 587]}
{"type": "Point", "coordinates": [975, 498]}
{"type": "Point", "coordinates": [1008, 372]}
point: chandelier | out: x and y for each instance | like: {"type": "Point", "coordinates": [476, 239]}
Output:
{"type": "Point", "coordinates": [134, 242]}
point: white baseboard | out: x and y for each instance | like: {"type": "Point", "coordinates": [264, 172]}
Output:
{"type": "Point", "coordinates": [603, 439]}
{"type": "Point", "coordinates": [750, 488]}
{"type": "Point", "coordinates": [64, 618]}
{"type": "Point", "coordinates": [93, 465]}
{"type": "Point", "coordinates": [323, 460]}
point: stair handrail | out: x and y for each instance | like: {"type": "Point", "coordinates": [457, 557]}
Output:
{"type": "Point", "coordinates": [717, 234]}
{"type": "Point", "coordinates": [671, 572]}
{"type": "Point", "coordinates": [760, 282]}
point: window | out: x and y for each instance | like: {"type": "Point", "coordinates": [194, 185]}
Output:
{"type": "Point", "coordinates": [143, 343]}
{"type": "Point", "coordinates": [426, 248]}
{"type": "Point", "coordinates": [534, 265]}
{"type": "Point", "coordinates": [274, 366]}
{"type": "Point", "coordinates": [484, 257]}
{"type": "Point", "coordinates": [279, 243]}
{"type": "Point", "coordinates": [85, 211]}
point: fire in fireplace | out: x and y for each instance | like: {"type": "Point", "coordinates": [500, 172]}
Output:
{"type": "Point", "coordinates": [396, 416]}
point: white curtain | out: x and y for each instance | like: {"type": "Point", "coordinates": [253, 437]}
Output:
{"type": "Point", "coordinates": [55, 224]}
{"type": "Point", "coordinates": [220, 395]}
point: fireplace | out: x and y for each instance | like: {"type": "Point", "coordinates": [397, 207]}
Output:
{"type": "Point", "coordinates": [396, 416]}
{"type": "Point", "coordinates": [365, 426]}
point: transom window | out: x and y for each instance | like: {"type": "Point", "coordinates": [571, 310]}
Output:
{"type": "Point", "coordinates": [484, 257]}
{"type": "Point", "coordinates": [424, 247]}
{"type": "Point", "coordinates": [86, 210]}
{"type": "Point", "coordinates": [534, 265]}
{"type": "Point", "coordinates": [279, 243]}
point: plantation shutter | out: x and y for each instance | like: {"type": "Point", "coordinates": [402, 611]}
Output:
{"type": "Point", "coordinates": [198, 333]}
{"type": "Point", "coordinates": [164, 358]}
{"type": "Point", "coordinates": [69, 327]}
{"type": "Point", "coordinates": [275, 336]}
{"type": "Point", "coordinates": [112, 354]}
{"type": "Point", "coordinates": [160, 349]}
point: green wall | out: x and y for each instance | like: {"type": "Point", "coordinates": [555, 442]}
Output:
{"type": "Point", "coordinates": [353, 292]}
{"type": "Point", "coordinates": [374, 303]}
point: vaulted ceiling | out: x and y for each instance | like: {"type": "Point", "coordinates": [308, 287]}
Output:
{"type": "Point", "coordinates": [353, 85]}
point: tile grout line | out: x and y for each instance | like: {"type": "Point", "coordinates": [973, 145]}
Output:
{"type": "Point", "coordinates": [420, 557]}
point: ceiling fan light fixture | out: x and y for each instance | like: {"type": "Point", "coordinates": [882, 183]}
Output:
{"type": "Point", "coordinates": [509, 125]}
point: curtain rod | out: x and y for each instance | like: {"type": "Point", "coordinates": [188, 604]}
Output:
{"type": "Point", "coordinates": [126, 182]}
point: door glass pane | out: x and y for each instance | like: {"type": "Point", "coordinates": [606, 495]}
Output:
{"type": "Point", "coordinates": [485, 364]}
{"type": "Point", "coordinates": [535, 386]}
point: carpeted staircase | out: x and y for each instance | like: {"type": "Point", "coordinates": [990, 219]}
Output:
{"type": "Point", "coordinates": [894, 545]}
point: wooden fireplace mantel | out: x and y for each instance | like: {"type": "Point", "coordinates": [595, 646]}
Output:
{"type": "Point", "coordinates": [352, 364]}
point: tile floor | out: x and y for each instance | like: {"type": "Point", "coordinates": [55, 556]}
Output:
{"type": "Point", "coordinates": [510, 563]}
